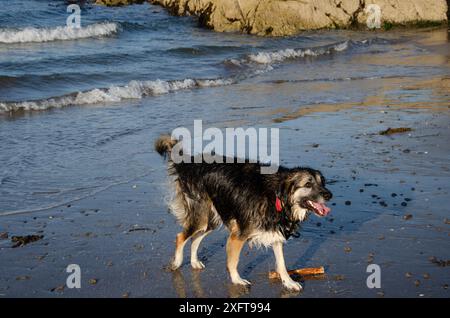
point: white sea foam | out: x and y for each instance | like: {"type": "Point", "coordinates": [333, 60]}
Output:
{"type": "Point", "coordinates": [133, 90]}
{"type": "Point", "coordinates": [31, 34]}
{"type": "Point", "coordinates": [282, 55]}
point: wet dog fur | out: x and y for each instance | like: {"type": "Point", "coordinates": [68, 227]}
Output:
{"type": "Point", "coordinates": [261, 209]}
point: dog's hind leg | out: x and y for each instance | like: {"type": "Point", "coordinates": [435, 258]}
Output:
{"type": "Point", "coordinates": [195, 263]}
{"type": "Point", "coordinates": [234, 247]}
{"type": "Point", "coordinates": [181, 240]}
{"type": "Point", "coordinates": [288, 282]}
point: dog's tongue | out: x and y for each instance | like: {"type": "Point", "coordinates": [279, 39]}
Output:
{"type": "Point", "coordinates": [321, 208]}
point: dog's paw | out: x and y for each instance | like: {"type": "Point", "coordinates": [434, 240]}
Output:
{"type": "Point", "coordinates": [197, 264]}
{"type": "Point", "coordinates": [175, 264]}
{"type": "Point", "coordinates": [241, 281]}
{"type": "Point", "coordinates": [292, 285]}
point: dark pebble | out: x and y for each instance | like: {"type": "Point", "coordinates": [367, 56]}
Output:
{"type": "Point", "coordinates": [404, 204]}
{"type": "Point", "coordinates": [393, 195]}
{"type": "Point", "coordinates": [348, 202]}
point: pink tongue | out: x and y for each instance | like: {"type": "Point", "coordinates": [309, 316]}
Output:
{"type": "Point", "coordinates": [321, 208]}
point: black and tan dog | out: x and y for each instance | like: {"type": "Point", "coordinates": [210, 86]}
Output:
{"type": "Point", "coordinates": [262, 209]}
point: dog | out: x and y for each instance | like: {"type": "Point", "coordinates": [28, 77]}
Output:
{"type": "Point", "coordinates": [261, 209]}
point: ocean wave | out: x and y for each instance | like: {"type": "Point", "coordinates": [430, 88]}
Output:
{"type": "Point", "coordinates": [31, 34]}
{"type": "Point", "coordinates": [282, 55]}
{"type": "Point", "coordinates": [133, 90]}
{"type": "Point", "coordinates": [267, 58]}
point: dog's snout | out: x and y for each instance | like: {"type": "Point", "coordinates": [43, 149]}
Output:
{"type": "Point", "coordinates": [327, 195]}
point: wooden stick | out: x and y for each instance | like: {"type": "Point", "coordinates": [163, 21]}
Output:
{"type": "Point", "coordinates": [301, 272]}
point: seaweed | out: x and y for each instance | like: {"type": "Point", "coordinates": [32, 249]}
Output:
{"type": "Point", "coordinates": [24, 240]}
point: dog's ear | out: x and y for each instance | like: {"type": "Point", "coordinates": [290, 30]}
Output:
{"type": "Point", "coordinates": [319, 177]}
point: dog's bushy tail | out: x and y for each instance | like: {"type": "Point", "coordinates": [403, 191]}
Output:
{"type": "Point", "coordinates": [164, 145]}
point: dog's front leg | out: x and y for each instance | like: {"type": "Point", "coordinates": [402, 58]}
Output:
{"type": "Point", "coordinates": [288, 282]}
{"type": "Point", "coordinates": [234, 247]}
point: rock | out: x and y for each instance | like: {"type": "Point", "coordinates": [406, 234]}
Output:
{"type": "Point", "coordinates": [3, 235]}
{"type": "Point", "coordinates": [280, 17]}
{"type": "Point", "coordinates": [117, 3]}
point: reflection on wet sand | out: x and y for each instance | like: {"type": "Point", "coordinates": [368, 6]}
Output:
{"type": "Point", "coordinates": [183, 290]}
{"type": "Point", "coordinates": [236, 291]}
{"type": "Point", "coordinates": [437, 100]}
{"type": "Point", "coordinates": [180, 286]}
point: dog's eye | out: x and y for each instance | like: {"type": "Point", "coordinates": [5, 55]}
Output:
{"type": "Point", "coordinates": [308, 185]}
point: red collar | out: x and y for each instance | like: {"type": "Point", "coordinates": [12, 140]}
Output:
{"type": "Point", "coordinates": [278, 205]}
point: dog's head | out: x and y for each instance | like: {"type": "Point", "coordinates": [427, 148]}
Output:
{"type": "Point", "coordinates": [305, 190]}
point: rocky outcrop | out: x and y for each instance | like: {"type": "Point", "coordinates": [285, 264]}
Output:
{"type": "Point", "coordinates": [287, 17]}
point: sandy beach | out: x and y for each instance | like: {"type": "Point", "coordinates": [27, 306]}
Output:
{"type": "Point", "coordinates": [79, 171]}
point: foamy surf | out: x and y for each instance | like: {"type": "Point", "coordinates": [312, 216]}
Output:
{"type": "Point", "coordinates": [60, 33]}
{"type": "Point", "coordinates": [133, 90]}
{"type": "Point", "coordinates": [282, 55]}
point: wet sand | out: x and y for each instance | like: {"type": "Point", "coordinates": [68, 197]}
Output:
{"type": "Point", "coordinates": [390, 207]}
